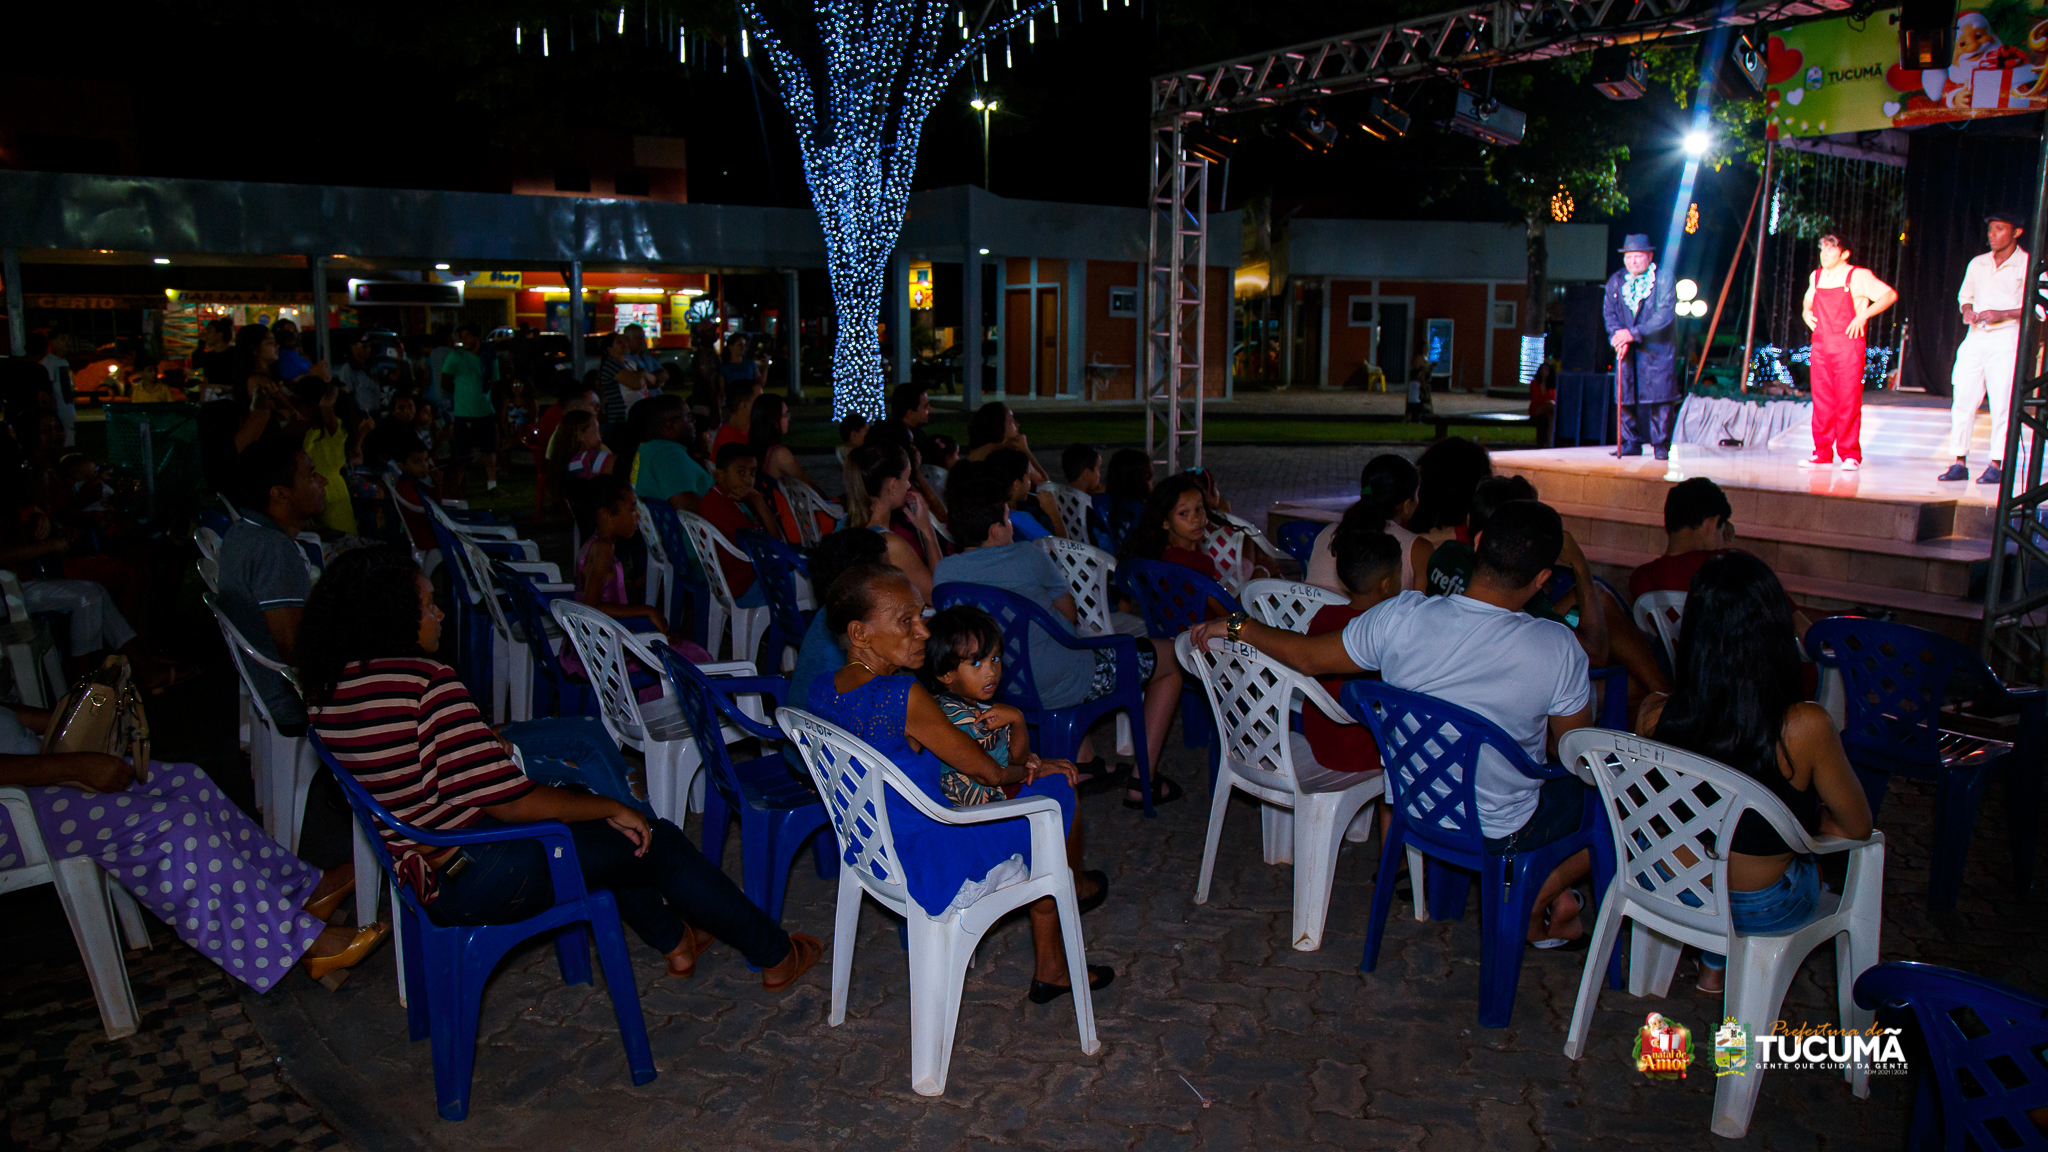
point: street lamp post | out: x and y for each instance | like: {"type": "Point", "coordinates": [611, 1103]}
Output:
{"type": "Point", "coordinates": [986, 108]}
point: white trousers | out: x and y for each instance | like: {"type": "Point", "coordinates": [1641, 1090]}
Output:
{"type": "Point", "coordinates": [1984, 365]}
{"type": "Point", "coordinates": [96, 625]}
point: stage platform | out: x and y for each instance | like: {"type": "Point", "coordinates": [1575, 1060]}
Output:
{"type": "Point", "coordinates": [1887, 536]}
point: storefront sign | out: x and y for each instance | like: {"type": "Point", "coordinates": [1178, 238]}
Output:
{"type": "Point", "coordinates": [95, 301]}
{"type": "Point", "coordinates": [204, 296]}
{"type": "Point", "coordinates": [1844, 76]}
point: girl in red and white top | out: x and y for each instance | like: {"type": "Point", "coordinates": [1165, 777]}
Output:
{"type": "Point", "coordinates": [405, 726]}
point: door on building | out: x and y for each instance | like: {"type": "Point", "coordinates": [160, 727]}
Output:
{"type": "Point", "coordinates": [1048, 334]}
{"type": "Point", "coordinates": [1392, 319]}
{"type": "Point", "coordinates": [1017, 350]}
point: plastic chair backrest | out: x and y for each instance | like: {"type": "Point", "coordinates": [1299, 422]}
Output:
{"type": "Point", "coordinates": [675, 543]}
{"type": "Point", "coordinates": [1252, 698]}
{"type": "Point", "coordinates": [1288, 604]}
{"type": "Point", "coordinates": [808, 506]}
{"type": "Point", "coordinates": [776, 566]}
{"type": "Point", "coordinates": [1984, 1041]}
{"type": "Point", "coordinates": [245, 654]}
{"type": "Point", "coordinates": [1661, 614]}
{"type": "Point", "coordinates": [705, 541]}
{"type": "Point", "coordinates": [1225, 548]}
{"type": "Point", "coordinates": [601, 644]}
{"type": "Point", "coordinates": [17, 600]}
{"type": "Point", "coordinates": [1172, 597]}
{"type": "Point", "coordinates": [935, 476]}
{"type": "Point", "coordinates": [650, 535]}
{"type": "Point", "coordinates": [1088, 570]}
{"type": "Point", "coordinates": [1668, 810]}
{"type": "Point", "coordinates": [532, 615]}
{"type": "Point", "coordinates": [1430, 749]}
{"type": "Point", "coordinates": [1251, 533]}
{"type": "Point", "coordinates": [703, 706]}
{"type": "Point", "coordinates": [209, 556]}
{"type": "Point", "coordinates": [1015, 615]}
{"type": "Point", "coordinates": [850, 776]}
{"type": "Point", "coordinates": [1297, 538]}
{"type": "Point", "coordinates": [1897, 677]}
{"type": "Point", "coordinates": [1073, 506]}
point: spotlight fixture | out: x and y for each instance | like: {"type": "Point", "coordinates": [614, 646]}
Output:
{"type": "Point", "coordinates": [1742, 73]}
{"type": "Point", "coordinates": [1618, 72]}
{"type": "Point", "coordinates": [1208, 143]}
{"type": "Point", "coordinates": [1487, 119]}
{"type": "Point", "coordinates": [1313, 132]}
{"type": "Point", "coordinates": [1696, 143]}
{"type": "Point", "coordinates": [1384, 119]}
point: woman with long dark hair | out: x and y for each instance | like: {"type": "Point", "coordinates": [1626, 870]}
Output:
{"type": "Point", "coordinates": [1740, 700]}
{"type": "Point", "coordinates": [404, 725]}
{"type": "Point", "coordinates": [878, 485]}
{"type": "Point", "coordinates": [1449, 470]}
{"type": "Point", "coordinates": [1386, 499]}
{"type": "Point", "coordinates": [995, 426]}
{"type": "Point", "coordinates": [778, 465]}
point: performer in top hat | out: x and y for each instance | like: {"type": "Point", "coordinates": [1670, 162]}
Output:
{"type": "Point", "coordinates": [1639, 309]}
{"type": "Point", "coordinates": [1994, 287]}
{"type": "Point", "coordinates": [1840, 299]}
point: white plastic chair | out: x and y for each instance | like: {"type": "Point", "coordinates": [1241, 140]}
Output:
{"type": "Point", "coordinates": [1087, 569]}
{"type": "Point", "coordinates": [1253, 534]}
{"type": "Point", "coordinates": [938, 527]}
{"type": "Point", "coordinates": [748, 624]}
{"type": "Point", "coordinates": [935, 477]}
{"type": "Point", "coordinates": [1306, 806]}
{"type": "Point", "coordinates": [32, 656]}
{"type": "Point", "coordinates": [851, 777]}
{"type": "Point", "coordinates": [657, 729]}
{"type": "Point", "coordinates": [92, 902]}
{"type": "Point", "coordinates": [661, 567]}
{"type": "Point", "coordinates": [1660, 614]}
{"type": "Point", "coordinates": [1225, 549]}
{"type": "Point", "coordinates": [511, 660]}
{"type": "Point", "coordinates": [808, 506]}
{"type": "Point", "coordinates": [1287, 603]}
{"type": "Point", "coordinates": [208, 542]}
{"type": "Point", "coordinates": [1073, 506]}
{"type": "Point", "coordinates": [284, 766]}
{"type": "Point", "coordinates": [1668, 810]}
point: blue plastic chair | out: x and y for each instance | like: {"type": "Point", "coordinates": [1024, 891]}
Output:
{"type": "Point", "coordinates": [691, 596]}
{"type": "Point", "coordinates": [1174, 598]}
{"type": "Point", "coordinates": [1114, 520]}
{"type": "Point", "coordinates": [1431, 752]}
{"type": "Point", "coordinates": [1060, 730]}
{"type": "Point", "coordinates": [1297, 538]}
{"type": "Point", "coordinates": [1897, 677]}
{"type": "Point", "coordinates": [1611, 681]}
{"type": "Point", "coordinates": [446, 968]}
{"type": "Point", "coordinates": [474, 641]}
{"type": "Point", "coordinates": [779, 811]}
{"type": "Point", "coordinates": [776, 566]}
{"type": "Point", "coordinates": [1983, 1072]}
{"type": "Point", "coordinates": [555, 692]}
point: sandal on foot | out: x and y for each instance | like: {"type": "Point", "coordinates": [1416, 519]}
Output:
{"type": "Point", "coordinates": [1098, 776]}
{"type": "Point", "coordinates": [358, 949]}
{"type": "Point", "coordinates": [1100, 976]}
{"type": "Point", "coordinates": [1092, 902]}
{"type": "Point", "coordinates": [324, 907]}
{"type": "Point", "coordinates": [682, 960]}
{"type": "Point", "coordinates": [1164, 791]}
{"type": "Point", "coordinates": [804, 951]}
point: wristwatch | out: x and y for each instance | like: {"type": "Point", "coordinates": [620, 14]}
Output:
{"type": "Point", "coordinates": [1236, 624]}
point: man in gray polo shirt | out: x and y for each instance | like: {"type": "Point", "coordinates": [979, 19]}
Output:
{"type": "Point", "coordinates": [263, 577]}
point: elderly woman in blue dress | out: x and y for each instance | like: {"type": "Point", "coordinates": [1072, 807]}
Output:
{"type": "Point", "coordinates": [877, 613]}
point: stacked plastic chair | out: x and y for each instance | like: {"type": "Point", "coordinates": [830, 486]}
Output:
{"type": "Point", "coordinates": [785, 578]}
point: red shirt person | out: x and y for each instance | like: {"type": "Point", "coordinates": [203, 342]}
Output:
{"type": "Point", "coordinates": [734, 506]}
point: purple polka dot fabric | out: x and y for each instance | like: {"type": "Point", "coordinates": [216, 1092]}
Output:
{"type": "Point", "coordinates": [190, 856]}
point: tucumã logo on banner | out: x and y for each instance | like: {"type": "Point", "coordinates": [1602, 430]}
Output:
{"type": "Point", "coordinates": [1844, 75]}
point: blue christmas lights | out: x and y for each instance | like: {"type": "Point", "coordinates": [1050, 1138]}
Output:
{"type": "Point", "coordinates": [883, 67]}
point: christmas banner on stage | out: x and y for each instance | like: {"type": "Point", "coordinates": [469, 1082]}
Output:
{"type": "Point", "coordinates": [1844, 75]}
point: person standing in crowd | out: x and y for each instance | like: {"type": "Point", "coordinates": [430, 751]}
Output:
{"type": "Point", "coordinates": [42, 350]}
{"type": "Point", "coordinates": [476, 417]}
{"type": "Point", "coordinates": [620, 383]}
{"type": "Point", "coordinates": [1639, 309]}
{"type": "Point", "coordinates": [212, 358]}
{"type": "Point", "coordinates": [1840, 300]}
{"type": "Point", "coordinates": [737, 369]}
{"type": "Point", "coordinates": [1993, 292]}
{"type": "Point", "coordinates": [639, 356]}
{"type": "Point", "coordinates": [291, 363]}
{"type": "Point", "coordinates": [355, 376]}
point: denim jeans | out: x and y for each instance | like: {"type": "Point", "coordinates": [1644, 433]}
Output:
{"type": "Point", "coordinates": [1781, 907]}
{"type": "Point", "coordinates": [656, 893]}
{"type": "Point", "coordinates": [1560, 806]}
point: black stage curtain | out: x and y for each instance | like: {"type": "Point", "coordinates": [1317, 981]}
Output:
{"type": "Point", "coordinates": [1952, 179]}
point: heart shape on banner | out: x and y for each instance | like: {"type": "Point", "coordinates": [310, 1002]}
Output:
{"type": "Point", "coordinates": [1783, 62]}
{"type": "Point", "coordinates": [1891, 108]}
{"type": "Point", "coordinates": [1795, 95]}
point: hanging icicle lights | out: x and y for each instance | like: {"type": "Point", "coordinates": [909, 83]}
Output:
{"type": "Point", "coordinates": [884, 65]}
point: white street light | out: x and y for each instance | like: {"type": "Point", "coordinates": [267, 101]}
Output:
{"type": "Point", "coordinates": [986, 108]}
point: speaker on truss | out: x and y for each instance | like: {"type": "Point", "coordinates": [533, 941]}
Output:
{"type": "Point", "coordinates": [1927, 33]}
{"type": "Point", "coordinates": [1383, 119]}
{"type": "Point", "coordinates": [1619, 72]}
{"type": "Point", "coordinates": [1484, 118]}
{"type": "Point", "coordinates": [1742, 73]}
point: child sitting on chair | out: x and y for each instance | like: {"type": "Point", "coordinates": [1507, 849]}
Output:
{"type": "Point", "coordinates": [963, 667]}
{"type": "Point", "coordinates": [601, 577]}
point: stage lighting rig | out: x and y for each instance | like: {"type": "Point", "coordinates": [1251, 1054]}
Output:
{"type": "Point", "coordinates": [1619, 72]}
{"type": "Point", "coordinates": [1209, 143]}
{"type": "Point", "coordinates": [1487, 119]}
{"type": "Point", "coordinates": [1927, 30]}
{"type": "Point", "coordinates": [1384, 119]}
{"type": "Point", "coordinates": [1313, 132]}
{"type": "Point", "coordinates": [1742, 73]}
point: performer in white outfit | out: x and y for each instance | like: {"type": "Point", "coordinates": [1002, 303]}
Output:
{"type": "Point", "coordinates": [1994, 289]}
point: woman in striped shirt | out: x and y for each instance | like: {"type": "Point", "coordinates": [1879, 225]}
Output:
{"type": "Point", "coordinates": [405, 726]}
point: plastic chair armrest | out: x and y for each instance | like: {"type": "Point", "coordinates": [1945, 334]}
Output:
{"type": "Point", "coordinates": [1831, 844]}
{"type": "Point", "coordinates": [544, 568]}
{"type": "Point", "coordinates": [773, 687]}
{"type": "Point", "coordinates": [1000, 810]}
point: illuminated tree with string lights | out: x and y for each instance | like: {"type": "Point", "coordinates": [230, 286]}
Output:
{"type": "Point", "coordinates": [859, 77]}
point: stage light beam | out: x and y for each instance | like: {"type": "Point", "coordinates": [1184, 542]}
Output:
{"type": "Point", "coordinates": [1696, 143]}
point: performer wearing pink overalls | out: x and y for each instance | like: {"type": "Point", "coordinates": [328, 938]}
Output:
{"type": "Point", "coordinates": [1840, 299]}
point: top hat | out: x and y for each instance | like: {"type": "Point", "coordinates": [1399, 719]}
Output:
{"type": "Point", "coordinates": [1637, 242]}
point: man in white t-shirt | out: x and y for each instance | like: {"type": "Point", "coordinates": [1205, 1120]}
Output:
{"type": "Point", "coordinates": [1479, 650]}
{"type": "Point", "coordinates": [1993, 292]}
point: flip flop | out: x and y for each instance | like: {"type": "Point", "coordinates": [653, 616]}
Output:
{"type": "Point", "coordinates": [1100, 976]}
{"type": "Point", "coordinates": [1097, 776]}
{"type": "Point", "coordinates": [1164, 791]}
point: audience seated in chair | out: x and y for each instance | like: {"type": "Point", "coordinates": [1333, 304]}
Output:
{"type": "Point", "coordinates": [1369, 564]}
{"type": "Point", "coordinates": [879, 482]}
{"type": "Point", "coordinates": [1479, 650]}
{"type": "Point", "coordinates": [734, 505]}
{"type": "Point", "coordinates": [263, 578]}
{"type": "Point", "coordinates": [1740, 699]}
{"type": "Point", "coordinates": [405, 726]}
{"type": "Point", "coordinates": [990, 555]}
{"type": "Point", "coordinates": [874, 696]}
{"type": "Point", "coordinates": [1448, 472]}
{"type": "Point", "coordinates": [1386, 499]}
{"type": "Point", "coordinates": [658, 461]}
{"type": "Point", "coordinates": [1174, 527]}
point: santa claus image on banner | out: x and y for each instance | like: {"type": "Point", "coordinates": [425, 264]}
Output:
{"type": "Point", "coordinates": [1987, 76]}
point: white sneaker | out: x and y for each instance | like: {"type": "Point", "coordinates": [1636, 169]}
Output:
{"type": "Point", "coordinates": [1812, 462]}
{"type": "Point", "coordinates": [1850, 465]}
{"type": "Point", "coordinates": [1361, 826]}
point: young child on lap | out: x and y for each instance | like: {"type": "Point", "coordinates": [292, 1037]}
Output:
{"type": "Point", "coordinates": [963, 667]}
